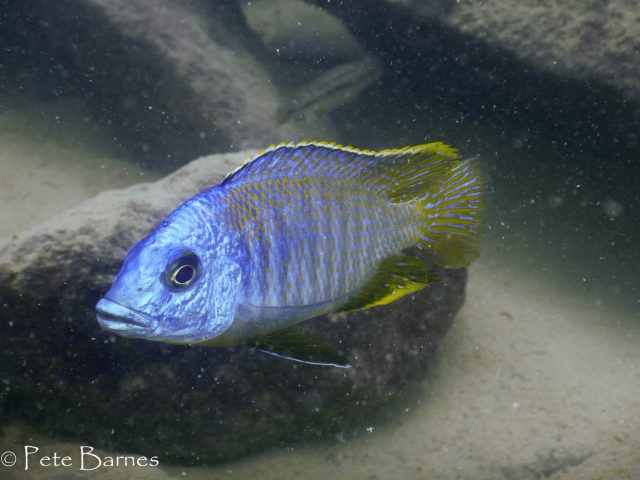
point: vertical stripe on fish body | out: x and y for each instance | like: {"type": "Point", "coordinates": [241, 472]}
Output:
{"type": "Point", "coordinates": [317, 222]}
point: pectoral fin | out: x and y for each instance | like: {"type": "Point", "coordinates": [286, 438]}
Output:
{"type": "Point", "coordinates": [397, 276]}
{"type": "Point", "coordinates": [301, 346]}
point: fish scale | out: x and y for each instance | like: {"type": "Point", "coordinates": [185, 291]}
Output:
{"type": "Point", "coordinates": [320, 243]}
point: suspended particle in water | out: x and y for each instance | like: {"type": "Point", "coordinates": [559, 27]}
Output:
{"type": "Point", "coordinates": [555, 201]}
{"type": "Point", "coordinates": [517, 143]}
{"type": "Point", "coordinates": [612, 208]}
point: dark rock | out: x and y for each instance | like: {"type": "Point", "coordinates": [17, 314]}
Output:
{"type": "Point", "coordinates": [569, 69]}
{"type": "Point", "coordinates": [173, 79]}
{"type": "Point", "coordinates": [592, 41]}
{"type": "Point", "coordinates": [68, 378]}
{"type": "Point", "coordinates": [588, 41]}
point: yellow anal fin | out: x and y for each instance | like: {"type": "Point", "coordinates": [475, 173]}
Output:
{"type": "Point", "coordinates": [397, 276]}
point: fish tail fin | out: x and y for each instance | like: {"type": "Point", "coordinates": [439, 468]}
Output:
{"type": "Point", "coordinates": [447, 193]}
{"type": "Point", "coordinates": [451, 214]}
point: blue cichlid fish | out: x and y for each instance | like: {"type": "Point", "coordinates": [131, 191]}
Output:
{"type": "Point", "coordinates": [300, 231]}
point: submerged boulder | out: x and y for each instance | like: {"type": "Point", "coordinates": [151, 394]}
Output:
{"type": "Point", "coordinates": [569, 69]}
{"type": "Point", "coordinates": [295, 31]}
{"type": "Point", "coordinates": [70, 379]}
{"type": "Point", "coordinates": [172, 79]}
{"type": "Point", "coordinates": [581, 41]}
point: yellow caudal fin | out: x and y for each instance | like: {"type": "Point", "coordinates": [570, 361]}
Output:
{"type": "Point", "coordinates": [452, 215]}
{"type": "Point", "coordinates": [448, 194]}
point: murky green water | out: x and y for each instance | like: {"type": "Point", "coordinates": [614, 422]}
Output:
{"type": "Point", "coordinates": [539, 375]}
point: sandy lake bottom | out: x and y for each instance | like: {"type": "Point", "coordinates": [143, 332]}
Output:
{"type": "Point", "coordinates": [536, 378]}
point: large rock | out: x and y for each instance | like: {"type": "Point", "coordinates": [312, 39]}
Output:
{"type": "Point", "coordinates": [173, 79]}
{"type": "Point", "coordinates": [63, 374]}
{"type": "Point", "coordinates": [588, 41]}
{"type": "Point", "coordinates": [559, 69]}
{"type": "Point", "coordinates": [297, 31]}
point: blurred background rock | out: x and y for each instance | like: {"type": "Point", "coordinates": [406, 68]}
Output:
{"type": "Point", "coordinates": [174, 80]}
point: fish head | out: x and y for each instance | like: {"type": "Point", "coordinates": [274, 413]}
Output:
{"type": "Point", "coordinates": [177, 285]}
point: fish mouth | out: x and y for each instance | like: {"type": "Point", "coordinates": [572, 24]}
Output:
{"type": "Point", "coordinates": [123, 320]}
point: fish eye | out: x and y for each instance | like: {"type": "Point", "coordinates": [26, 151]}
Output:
{"type": "Point", "coordinates": [183, 271]}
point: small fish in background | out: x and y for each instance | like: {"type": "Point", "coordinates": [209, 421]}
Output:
{"type": "Point", "coordinates": [334, 88]}
{"type": "Point", "coordinates": [300, 231]}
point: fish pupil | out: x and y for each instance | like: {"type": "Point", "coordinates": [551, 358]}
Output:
{"type": "Point", "coordinates": [183, 271]}
{"type": "Point", "coordinates": [184, 274]}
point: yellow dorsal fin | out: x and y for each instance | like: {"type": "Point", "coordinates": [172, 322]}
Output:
{"type": "Point", "coordinates": [402, 174]}
{"type": "Point", "coordinates": [415, 170]}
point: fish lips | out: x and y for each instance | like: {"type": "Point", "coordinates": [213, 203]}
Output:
{"type": "Point", "coordinates": [119, 319]}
